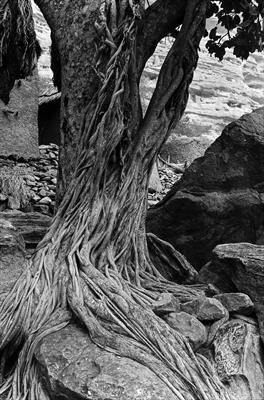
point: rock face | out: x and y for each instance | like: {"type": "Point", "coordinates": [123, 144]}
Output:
{"type": "Point", "coordinates": [43, 36]}
{"type": "Point", "coordinates": [220, 93]}
{"type": "Point", "coordinates": [72, 367]}
{"type": "Point", "coordinates": [12, 255]}
{"type": "Point", "coordinates": [241, 265]}
{"type": "Point", "coordinates": [220, 197]}
{"type": "Point", "coordinates": [238, 360]}
{"type": "Point", "coordinates": [19, 120]}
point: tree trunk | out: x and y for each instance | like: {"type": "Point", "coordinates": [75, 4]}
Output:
{"type": "Point", "coordinates": [94, 261]}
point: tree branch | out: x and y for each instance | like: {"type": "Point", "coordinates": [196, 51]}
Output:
{"type": "Point", "coordinates": [160, 19]}
{"type": "Point", "coordinates": [171, 93]}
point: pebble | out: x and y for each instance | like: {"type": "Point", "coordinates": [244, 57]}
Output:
{"type": "Point", "coordinates": [45, 200]}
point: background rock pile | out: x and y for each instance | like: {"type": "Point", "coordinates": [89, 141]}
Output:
{"type": "Point", "coordinates": [32, 184]}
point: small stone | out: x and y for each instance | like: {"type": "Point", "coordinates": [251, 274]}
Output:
{"type": "Point", "coordinates": [189, 326]}
{"type": "Point", "coordinates": [43, 193]}
{"type": "Point", "coordinates": [166, 304]}
{"type": "Point", "coordinates": [30, 183]}
{"type": "Point", "coordinates": [45, 200]}
{"type": "Point", "coordinates": [13, 204]}
{"type": "Point", "coordinates": [36, 198]}
{"type": "Point", "coordinates": [52, 155]}
{"type": "Point", "coordinates": [205, 308]}
{"type": "Point", "coordinates": [51, 193]}
{"type": "Point", "coordinates": [29, 177]}
{"type": "Point", "coordinates": [52, 172]}
{"type": "Point", "coordinates": [3, 197]}
{"type": "Point", "coordinates": [236, 302]}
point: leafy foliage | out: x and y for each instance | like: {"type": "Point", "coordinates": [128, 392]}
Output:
{"type": "Point", "coordinates": [242, 21]}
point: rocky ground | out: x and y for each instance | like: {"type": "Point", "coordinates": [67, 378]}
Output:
{"type": "Point", "coordinates": [38, 178]}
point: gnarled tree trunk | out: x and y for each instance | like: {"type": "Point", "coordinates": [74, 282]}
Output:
{"type": "Point", "coordinates": [94, 261]}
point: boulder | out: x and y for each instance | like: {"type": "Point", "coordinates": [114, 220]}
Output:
{"type": "Point", "coordinates": [220, 197]}
{"type": "Point", "coordinates": [32, 225]}
{"type": "Point", "coordinates": [243, 267]}
{"type": "Point", "coordinates": [189, 326]}
{"type": "Point", "coordinates": [239, 303]}
{"type": "Point", "coordinates": [12, 256]}
{"type": "Point", "coordinates": [238, 360]}
{"type": "Point", "coordinates": [73, 367]}
{"type": "Point", "coordinates": [205, 309]}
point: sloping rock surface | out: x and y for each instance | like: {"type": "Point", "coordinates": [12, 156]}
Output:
{"type": "Point", "coordinates": [220, 197]}
{"type": "Point", "coordinates": [240, 265]}
{"type": "Point", "coordinates": [239, 361]}
{"type": "Point", "coordinates": [73, 368]}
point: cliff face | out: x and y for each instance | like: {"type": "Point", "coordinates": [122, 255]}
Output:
{"type": "Point", "coordinates": [220, 92]}
{"type": "Point", "coordinates": [43, 35]}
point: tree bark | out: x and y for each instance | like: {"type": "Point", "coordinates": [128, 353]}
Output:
{"type": "Point", "coordinates": [94, 261]}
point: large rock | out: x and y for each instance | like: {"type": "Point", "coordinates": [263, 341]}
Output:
{"type": "Point", "coordinates": [12, 256]}
{"type": "Point", "coordinates": [32, 225]}
{"type": "Point", "coordinates": [242, 265]}
{"type": "Point", "coordinates": [205, 309]}
{"type": "Point", "coordinates": [72, 367]}
{"type": "Point", "coordinates": [189, 326]}
{"type": "Point", "coordinates": [220, 198]}
{"type": "Point", "coordinates": [238, 360]}
{"type": "Point", "coordinates": [239, 303]}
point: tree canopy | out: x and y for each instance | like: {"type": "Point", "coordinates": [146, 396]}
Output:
{"type": "Point", "coordinates": [243, 22]}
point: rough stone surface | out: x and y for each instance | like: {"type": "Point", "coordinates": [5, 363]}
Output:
{"type": "Point", "coordinates": [220, 197]}
{"type": "Point", "coordinates": [12, 255]}
{"type": "Point", "coordinates": [72, 367]}
{"type": "Point", "coordinates": [238, 360]}
{"type": "Point", "coordinates": [205, 309]}
{"type": "Point", "coordinates": [18, 120]}
{"type": "Point", "coordinates": [243, 266]}
{"type": "Point", "coordinates": [43, 36]}
{"type": "Point", "coordinates": [32, 226]}
{"type": "Point", "coordinates": [220, 92]}
{"type": "Point", "coordinates": [239, 303]}
{"type": "Point", "coordinates": [189, 326]}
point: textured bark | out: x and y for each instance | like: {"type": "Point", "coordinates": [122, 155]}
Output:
{"type": "Point", "coordinates": [93, 263]}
